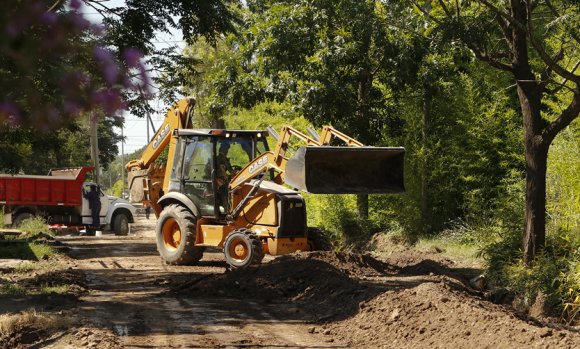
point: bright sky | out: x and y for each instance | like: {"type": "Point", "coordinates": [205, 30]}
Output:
{"type": "Point", "coordinates": [135, 129]}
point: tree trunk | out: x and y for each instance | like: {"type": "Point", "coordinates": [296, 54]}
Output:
{"type": "Point", "coordinates": [535, 214]}
{"type": "Point", "coordinates": [362, 205]}
{"type": "Point", "coordinates": [536, 157]}
{"type": "Point", "coordinates": [364, 86]}
{"type": "Point", "coordinates": [536, 151]}
{"type": "Point", "coordinates": [426, 120]}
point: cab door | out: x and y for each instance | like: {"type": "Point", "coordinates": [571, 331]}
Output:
{"type": "Point", "coordinates": [86, 211]}
{"type": "Point", "coordinates": [197, 172]}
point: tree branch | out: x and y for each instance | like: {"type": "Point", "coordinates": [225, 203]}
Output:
{"type": "Point", "coordinates": [509, 18]}
{"type": "Point", "coordinates": [483, 56]}
{"type": "Point", "coordinates": [445, 9]}
{"type": "Point", "coordinates": [554, 11]}
{"type": "Point", "coordinates": [567, 116]}
{"type": "Point", "coordinates": [57, 4]}
{"type": "Point", "coordinates": [551, 63]}
{"type": "Point", "coordinates": [425, 12]}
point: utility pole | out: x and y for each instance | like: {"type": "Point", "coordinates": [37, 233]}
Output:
{"type": "Point", "coordinates": [93, 122]}
{"type": "Point", "coordinates": [123, 159]}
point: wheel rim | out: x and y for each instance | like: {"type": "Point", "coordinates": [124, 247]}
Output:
{"type": "Point", "coordinates": [171, 234]}
{"type": "Point", "coordinates": [124, 225]}
{"type": "Point", "coordinates": [239, 250]}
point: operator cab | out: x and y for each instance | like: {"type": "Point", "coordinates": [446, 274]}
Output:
{"type": "Point", "coordinates": [206, 160]}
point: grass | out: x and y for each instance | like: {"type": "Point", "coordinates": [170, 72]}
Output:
{"type": "Point", "coordinates": [451, 248]}
{"type": "Point", "coordinates": [12, 323]}
{"type": "Point", "coordinates": [34, 226]}
{"type": "Point", "coordinates": [12, 289]}
{"type": "Point", "coordinates": [59, 289]}
{"type": "Point", "coordinates": [26, 250]}
{"type": "Point", "coordinates": [26, 267]}
{"type": "Point", "coordinates": [15, 289]}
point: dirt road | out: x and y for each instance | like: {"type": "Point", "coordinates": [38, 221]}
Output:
{"type": "Point", "coordinates": [305, 300]}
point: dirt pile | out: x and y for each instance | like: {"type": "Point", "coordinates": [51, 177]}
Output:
{"type": "Point", "coordinates": [84, 337]}
{"type": "Point", "coordinates": [433, 315]}
{"type": "Point", "coordinates": [407, 303]}
{"type": "Point", "coordinates": [328, 283]}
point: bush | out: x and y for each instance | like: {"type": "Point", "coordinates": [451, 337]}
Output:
{"type": "Point", "coordinates": [34, 226]}
{"type": "Point", "coordinates": [555, 272]}
{"type": "Point", "coordinates": [337, 214]}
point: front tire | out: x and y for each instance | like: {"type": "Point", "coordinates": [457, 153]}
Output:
{"type": "Point", "coordinates": [121, 224]}
{"type": "Point", "coordinates": [243, 248]}
{"type": "Point", "coordinates": [318, 240]}
{"type": "Point", "coordinates": [176, 236]}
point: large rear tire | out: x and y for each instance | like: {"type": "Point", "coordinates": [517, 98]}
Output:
{"type": "Point", "coordinates": [243, 248]}
{"type": "Point", "coordinates": [21, 217]}
{"type": "Point", "coordinates": [318, 240]}
{"type": "Point", "coordinates": [176, 236]}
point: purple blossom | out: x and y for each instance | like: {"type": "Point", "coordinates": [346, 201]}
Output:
{"type": "Point", "coordinates": [10, 113]}
{"type": "Point", "coordinates": [72, 108]}
{"type": "Point", "coordinates": [110, 100]}
{"type": "Point", "coordinates": [132, 57]}
{"type": "Point", "coordinates": [109, 67]}
{"type": "Point", "coordinates": [75, 4]}
{"type": "Point", "coordinates": [102, 55]}
{"type": "Point", "coordinates": [111, 73]}
{"type": "Point", "coordinates": [49, 18]}
{"type": "Point", "coordinates": [8, 109]}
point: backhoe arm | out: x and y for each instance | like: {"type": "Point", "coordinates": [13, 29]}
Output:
{"type": "Point", "coordinates": [146, 181]}
{"type": "Point", "coordinates": [275, 160]}
{"type": "Point", "coordinates": [324, 169]}
{"type": "Point", "coordinates": [178, 116]}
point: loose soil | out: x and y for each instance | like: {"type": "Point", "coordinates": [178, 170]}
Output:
{"type": "Point", "coordinates": [125, 297]}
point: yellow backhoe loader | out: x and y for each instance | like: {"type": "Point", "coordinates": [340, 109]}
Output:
{"type": "Point", "coordinates": [226, 189]}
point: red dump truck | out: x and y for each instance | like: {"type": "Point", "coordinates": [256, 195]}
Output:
{"type": "Point", "coordinates": [58, 197]}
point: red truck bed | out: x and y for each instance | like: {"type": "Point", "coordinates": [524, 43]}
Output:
{"type": "Point", "coordinates": [61, 187]}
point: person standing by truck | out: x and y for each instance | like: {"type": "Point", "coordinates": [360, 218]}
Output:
{"type": "Point", "coordinates": [94, 200]}
{"type": "Point", "coordinates": [147, 206]}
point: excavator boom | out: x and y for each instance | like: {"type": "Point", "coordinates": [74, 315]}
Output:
{"type": "Point", "coordinates": [323, 169]}
{"type": "Point", "coordinates": [147, 180]}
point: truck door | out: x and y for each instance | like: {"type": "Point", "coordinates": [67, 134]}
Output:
{"type": "Point", "coordinates": [86, 211]}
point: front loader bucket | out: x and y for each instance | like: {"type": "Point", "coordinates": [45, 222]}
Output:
{"type": "Point", "coordinates": [346, 170]}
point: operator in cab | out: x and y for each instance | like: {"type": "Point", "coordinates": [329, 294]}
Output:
{"type": "Point", "coordinates": [224, 170]}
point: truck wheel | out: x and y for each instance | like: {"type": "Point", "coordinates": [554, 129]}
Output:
{"type": "Point", "coordinates": [121, 224]}
{"type": "Point", "coordinates": [176, 236]}
{"type": "Point", "coordinates": [243, 248]}
{"type": "Point", "coordinates": [21, 217]}
{"type": "Point", "coordinates": [318, 240]}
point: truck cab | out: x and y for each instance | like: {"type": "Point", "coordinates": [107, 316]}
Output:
{"type": "Point", "coordinates": [115, 214]}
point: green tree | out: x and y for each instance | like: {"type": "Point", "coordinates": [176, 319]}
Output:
{"type": "Point", "coordinates": [321, 56]}
{"type": "Point", "coordinates": [535, 41]}
{"type": "Point", "coordinates": [138, 24]}
{"type": "Point", "coordinates": [25, 150]}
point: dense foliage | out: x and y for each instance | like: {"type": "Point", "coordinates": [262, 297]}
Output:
{"type": "Point", "coordinates": [58, 70]}
{"type": "Point", "coordinates": [416, 74]}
